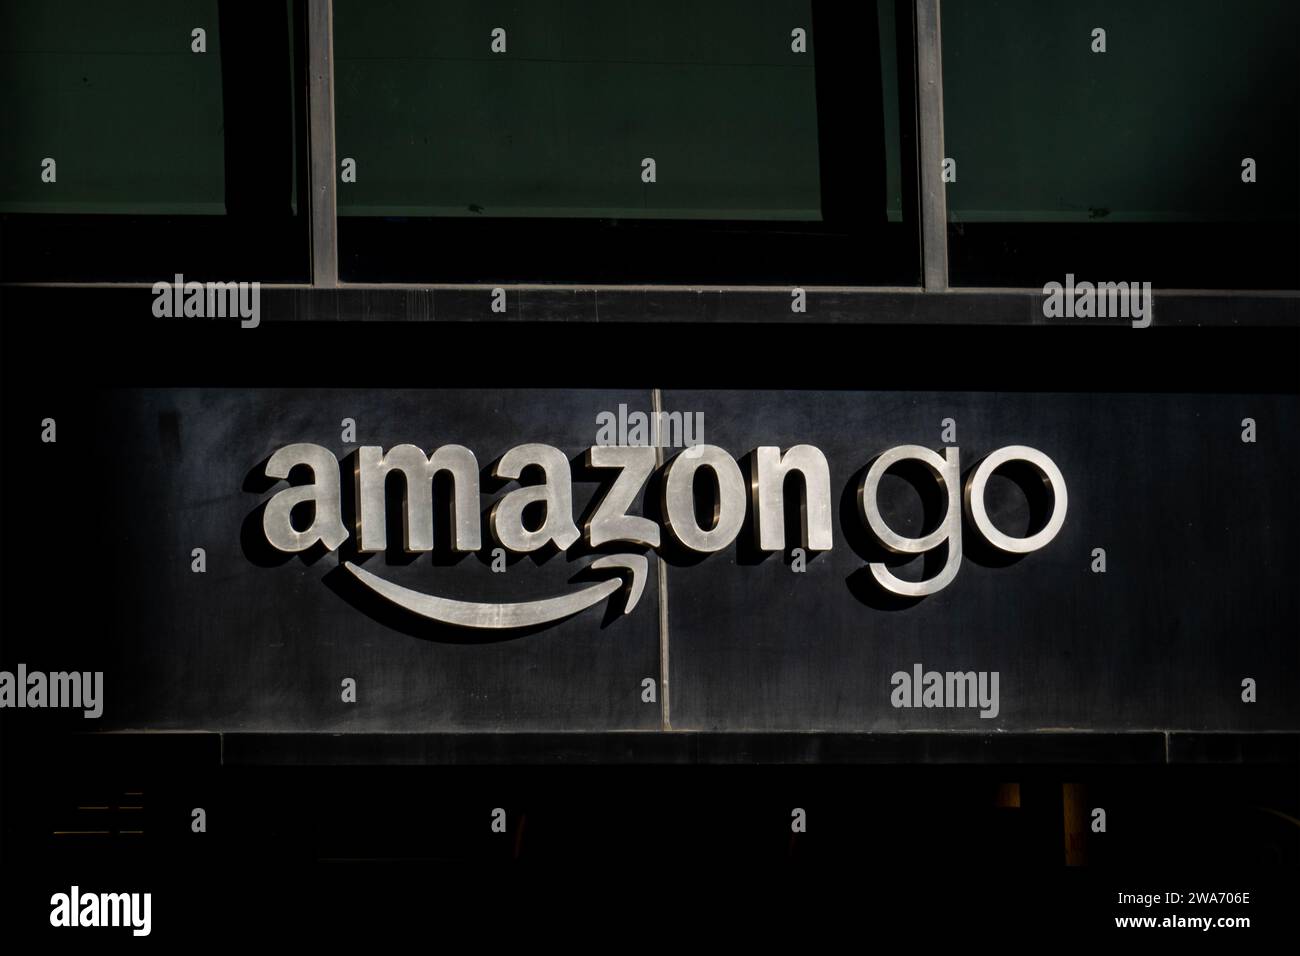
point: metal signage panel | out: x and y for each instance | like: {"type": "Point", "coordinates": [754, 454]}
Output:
{"type": "Point", "coordinates": [263, 639]}
{"type": "Point", "coordinates": [1197, 592]}
{"type": "Point", "coordinates": [491, 560]}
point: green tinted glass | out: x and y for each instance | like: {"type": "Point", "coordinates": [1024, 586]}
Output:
{"type": "Point", "coordinates": [557, 113]}
{"type": "Point", "coordinates": [130, 115]}
{"type": "Point", "coordinates": [1154, 129]}
{"type": "Point", "coordinates": [133, 114]}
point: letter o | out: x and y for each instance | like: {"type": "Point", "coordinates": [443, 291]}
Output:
{"type": "Point", "coordinates": [1051, 478]}
{"type": "Point", "coordinates": [679, 499]}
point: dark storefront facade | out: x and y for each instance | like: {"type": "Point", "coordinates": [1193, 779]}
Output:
{"type": "Point", "coordinates": [473, 433]}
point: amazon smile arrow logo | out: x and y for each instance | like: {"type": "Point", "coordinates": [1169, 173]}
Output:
{"type": "Point", "coordinates": [760, 497]}
{"type": "Point", "coordinates": [504, 616]}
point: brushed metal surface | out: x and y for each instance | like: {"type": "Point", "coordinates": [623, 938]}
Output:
{"type": "Point", "coordinates": [261, 640]}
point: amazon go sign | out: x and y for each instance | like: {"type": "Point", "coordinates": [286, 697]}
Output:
{"type": "Point", "coordinates": [629, 468]}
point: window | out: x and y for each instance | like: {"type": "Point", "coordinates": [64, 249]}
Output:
{"type": "Point", "coordinates": [1112, 138]}
{"type": "Point", "coordinates": [139, 140]}
{"type": "Point", "coordinates": [614, 141]}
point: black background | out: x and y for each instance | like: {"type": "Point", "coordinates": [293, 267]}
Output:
{"type": "Point", "coordinates": [1194, 522]}
{"type": "Point", "coordinates": [592, 808]}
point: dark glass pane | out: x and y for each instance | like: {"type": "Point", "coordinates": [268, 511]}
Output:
{"type": "Point", "coordinates": [777, 117]}
{"type": "Point", "coordinates": [559, 123]}
{"type": "Point", "coordinates": [1150, 133]}
{"type": "Point", "coordinates": [125, 150]}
